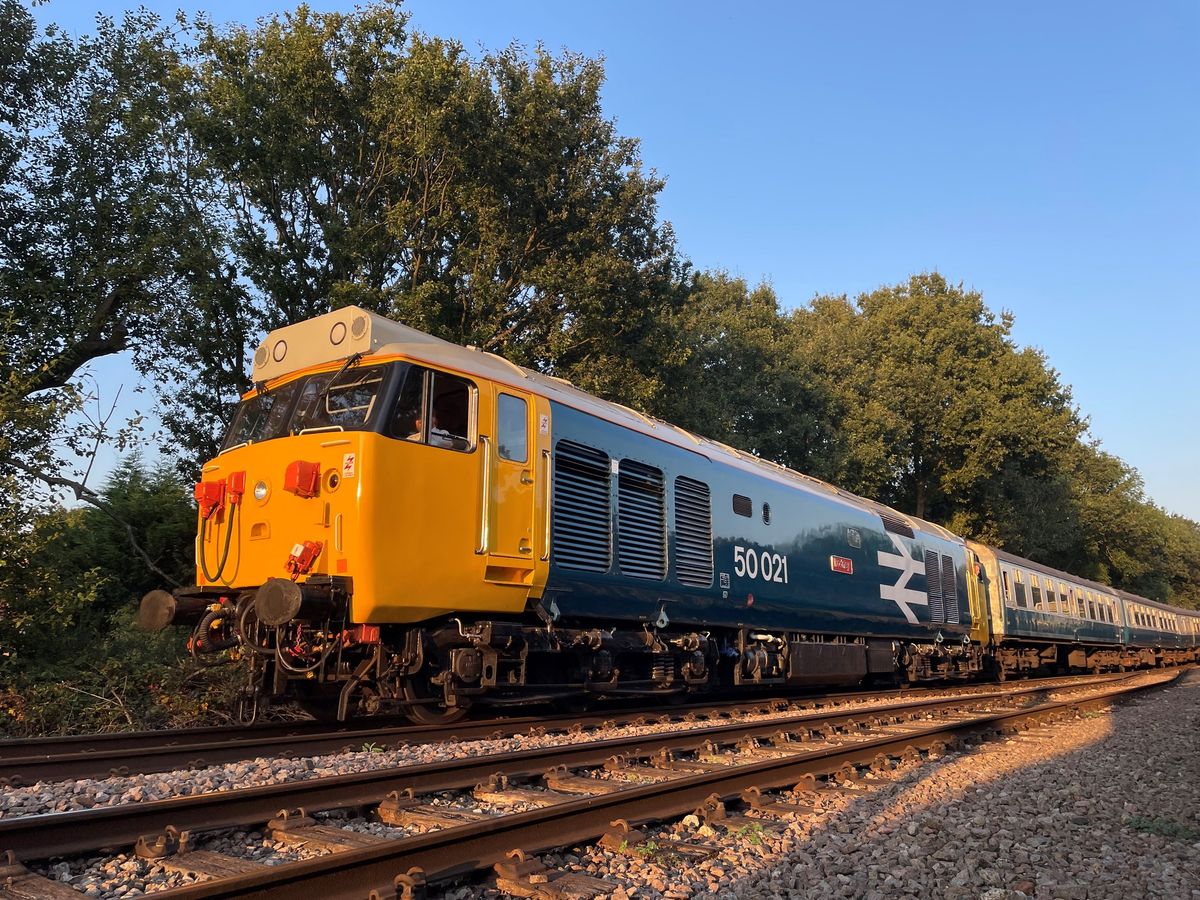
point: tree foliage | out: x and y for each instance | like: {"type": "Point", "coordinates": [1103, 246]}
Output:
{"type": "Point", "coordinates": [734, 375]}
{"type": "Point", "coordinates": [935, 398]}
{"type": "Point", "coordinates": [488, 201]}
{"type": "Point", "coordinates": [71, 658]}
{"type": "Point", "coordinates": [68, 571]}
{"type": "Point", "coordinates": [96, 233]}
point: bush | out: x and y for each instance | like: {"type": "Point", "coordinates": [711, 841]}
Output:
{"type": "Point", "coordinates": [72, 659]}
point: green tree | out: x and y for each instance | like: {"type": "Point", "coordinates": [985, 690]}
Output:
{"type": "Point", "coordinates": [937, 405]}
{"type": "Point", "coordinates": [1123, 536]}
{"type": "Point", "coordinates": [71, 658]}
{"type": "Point", "coordinates": [733, 376]}
{"type": "Point", "coordinates": [96, 238]}
{"type": "Point", "coordinates": [67, 573]}
{"type": "Point", "coordinates": [1182, 564]}
{"type": "Point", "coordinates": [488, 201]}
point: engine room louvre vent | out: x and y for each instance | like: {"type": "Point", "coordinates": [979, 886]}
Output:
{"type": "Point", "coordinates": [949, 589]}
{"type": "Point", "coordinates": [743, 506]}
{"type": "Point", "coordinates": [641, 521]}
{"type": "Point", "coordinates": [693, 532]}
{"type": "Point", "coordinates": [582, 508]}
{"type": "Point", "coordinates": [896, 526]}
{"type": "Point", "coordinates": [933, 581]}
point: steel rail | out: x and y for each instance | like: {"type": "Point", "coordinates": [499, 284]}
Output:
{"type": "Point", "coordinates": [26, 761]}
{"type": "Point", "coordinates": [60, 834]}
{"type": "Point", "coordinates": [351, 874]}
{"type": "Point", "coordinates": [46, 747]}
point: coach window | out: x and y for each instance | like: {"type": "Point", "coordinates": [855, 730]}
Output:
{"type": "Point", "coordinates": [1035, 589]}
{"type": "Point", "coordinates": [1020, 589]}
{"type": "Point", "coordinates": [1062, 599]}
{"type": "Point", "coordinates": [512, 438]}
{"type": "Point", "coordinates": [1008, 599]}
{"type": "Point", "coordinates": [1048, 594]}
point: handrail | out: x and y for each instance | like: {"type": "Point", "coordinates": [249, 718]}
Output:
{"type": "Point", "coordinates": [548, 489]}
{"type": "Point", "coordinates": [486, 498]}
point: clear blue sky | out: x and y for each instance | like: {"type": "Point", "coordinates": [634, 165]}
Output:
{"type": "Point", "coordinates": [1046, 154]}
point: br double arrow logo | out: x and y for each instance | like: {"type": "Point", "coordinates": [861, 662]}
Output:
{"type": "Point", "coordinates": [900, 593]}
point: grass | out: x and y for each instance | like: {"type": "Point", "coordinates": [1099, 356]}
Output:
{"type": "Point", "coordinates": [648, 850]}
{"type": "Point", "coordinates": [1164, 827]}
{"type": "Point", "coordinates": [752, 833]}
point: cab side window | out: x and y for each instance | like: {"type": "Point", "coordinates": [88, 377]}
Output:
{"type": "Point", "coordinates": [407, 421]}
{"type": "Point", "coordinates": [433, 408]}
{"type": "Point", "coordinates": [450, 412]}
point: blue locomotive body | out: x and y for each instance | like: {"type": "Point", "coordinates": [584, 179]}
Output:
{"type": "Point", "coordinates": [647, 530]}
{"type": "Point", "coordinates": [775, 551]}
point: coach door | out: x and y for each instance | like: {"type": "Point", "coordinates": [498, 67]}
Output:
{"type": "Point", "coordinates": [507, 536]}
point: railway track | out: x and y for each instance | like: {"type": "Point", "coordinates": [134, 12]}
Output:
{"type": "Point", "coordinates": [27, 761]}
{"type": "Point", "coordinates": [561, 795]}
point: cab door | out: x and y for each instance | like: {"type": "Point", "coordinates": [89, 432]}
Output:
{"type": "Point", "coordinates": [507, 537]}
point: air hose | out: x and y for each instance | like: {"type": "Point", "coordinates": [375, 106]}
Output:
{"type": "Point", "coordinates": [211, 578]}
{"type": "Point", "coordinates": [207, 636]}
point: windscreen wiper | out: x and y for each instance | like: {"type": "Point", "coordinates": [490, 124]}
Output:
{"type": "Point", "coordinates": [351, 360]}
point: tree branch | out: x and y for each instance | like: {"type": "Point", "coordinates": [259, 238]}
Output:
{"type": "Point", "coordinates": [87, 495]}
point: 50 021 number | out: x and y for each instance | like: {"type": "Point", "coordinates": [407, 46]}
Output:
{"type": "Point", "coordinates": [762, 564]}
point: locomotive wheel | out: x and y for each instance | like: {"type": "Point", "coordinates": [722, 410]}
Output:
{"type": "Point", "coordinates": [424, 712]}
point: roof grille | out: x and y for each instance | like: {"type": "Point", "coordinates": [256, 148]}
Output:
{"type": "Point", "coordinates": [641, 521]}
{"type": "Point", "coordinates": [693, 532]}
{"type": "Point", "coordinates": [582, 512]}
{"type": "Point", "coordinates": [896, 525]}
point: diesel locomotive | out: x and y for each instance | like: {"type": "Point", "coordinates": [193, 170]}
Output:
{"type": "Point", "coordinates": [399, 523]}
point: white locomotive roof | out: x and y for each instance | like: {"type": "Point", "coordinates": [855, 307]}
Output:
{"type": "Point", "coordinates": [332, 337]}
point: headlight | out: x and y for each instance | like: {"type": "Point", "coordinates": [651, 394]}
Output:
{"type": "Point", "coordinates": [260, 491]}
